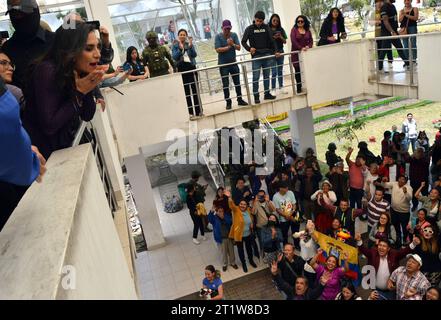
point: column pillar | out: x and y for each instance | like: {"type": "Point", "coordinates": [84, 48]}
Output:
{"type": "Point", "coordinates": [145, 203]}
{"type": "Point", "coordinates": [288, 10]}
{"type": "Point", "coordinates": [98, 10]}
{"type": "Point", "coordinates": [229, 11]}
{"type": "Point", "coordinates": [302, 130]}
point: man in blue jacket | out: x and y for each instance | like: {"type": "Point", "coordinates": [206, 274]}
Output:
{"type": "Point", "coordinates": [222, 222]}
{"type": "Point", "coordinates": [20, 163]}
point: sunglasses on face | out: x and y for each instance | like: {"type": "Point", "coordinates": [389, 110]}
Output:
{"type": "Point", "coordinates": [300, 21]}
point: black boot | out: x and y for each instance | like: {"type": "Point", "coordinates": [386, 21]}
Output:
{"type": "Point", "coordinates": [244, 267]}
{"type": "Point", "coordinates": [241, 102]}
{"type": "Point", "coordinates": [229, 104]}
{"type": "Point", "coordinates": [253, 264]}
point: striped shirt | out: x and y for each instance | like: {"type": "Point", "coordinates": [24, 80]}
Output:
{"type": "Point", "coordinates": [375, 209]}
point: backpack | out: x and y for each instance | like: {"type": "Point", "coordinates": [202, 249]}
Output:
{"type": "Point", "coordinates": [155, 59]}
{"type": "Point", "coordinates": [182, 188]}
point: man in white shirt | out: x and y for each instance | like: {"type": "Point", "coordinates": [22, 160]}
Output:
{"type": "Point", "coordinates": [385, 260]}
{"type": "Point", "coordinates": [400, 206]}
{"type": "Point", "coordinates": [410, 129]}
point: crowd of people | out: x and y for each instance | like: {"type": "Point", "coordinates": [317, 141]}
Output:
{"type": "Point", "coordinates": [50, 82]}
{"type": "Point", "coordinates": [275, 218]}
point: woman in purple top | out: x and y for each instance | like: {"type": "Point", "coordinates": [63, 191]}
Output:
{"type": "Point", "coordinates": [301, 40]}
{"type": "Point", "coordinates": [59, 92]}
{"type": "Point", "coordinates": [332, 271]}
{"type": "Point", "coordinates": [333, 28]}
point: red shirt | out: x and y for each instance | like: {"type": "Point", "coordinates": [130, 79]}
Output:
{"type": "Point", "coordinates": [356, 178]}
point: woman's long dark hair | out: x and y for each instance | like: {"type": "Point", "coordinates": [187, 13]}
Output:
{"type": "Point", "coordinates": [129, 54]}
{"type": "Point", "coordinates": [68, 45]}
{"type": "Point", "coordinates": [388, 225]}
{"type": "Point", "coordinates": [270, 24]}
{"type": "Point", "coordinates": [306, 24]}
{"type": "Point", "coordinates": [346, 283]}
{"type": "Point", "coordinates": [340, 18]}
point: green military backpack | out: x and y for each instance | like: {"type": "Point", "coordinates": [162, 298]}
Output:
{"type": "Point", "coordinates": [155, 59]}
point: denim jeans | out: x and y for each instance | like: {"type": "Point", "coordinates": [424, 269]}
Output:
{"type": "Point", "coordinates": [277, 72]}
{"type": "Point", "coordinates": [265, 65]}
{"type": "Point", "coordinates": [225, 74]}
{"type": "Point", "coordinates": [413, 41]}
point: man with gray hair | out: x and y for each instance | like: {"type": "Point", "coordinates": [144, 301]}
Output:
{"type": "Point", "coordinates": [29, 41]}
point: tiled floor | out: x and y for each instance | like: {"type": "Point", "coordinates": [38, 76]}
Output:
{"type": "Point", "coordinates": [398, 75]}
{"type": "Point", "coordinates": [177, 269]}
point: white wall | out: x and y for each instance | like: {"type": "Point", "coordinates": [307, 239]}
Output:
{"type": "Point", "coordinates": [101, 124]}
{"type": "Point", "coordinates": [429, 66]}
{"type": "Point", "coordinates": [146, 111]}
{"type": "Point", "coordinates": [335, 72]}
{"type": "Point", "coordinates": [65, 221]}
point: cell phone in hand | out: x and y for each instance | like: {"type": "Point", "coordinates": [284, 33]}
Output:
{"type": "Point", "coordinates": [96, 24]}
{"type": "Point", "coordinates": [4, 35]}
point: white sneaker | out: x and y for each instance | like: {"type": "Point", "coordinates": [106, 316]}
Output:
{"type": "Point", "coordinates": [391, 66]}
{"type": "Point", "coordinates": [273, 92]}
{"type": "Point", "coordinates": [195, 241]}
{"type": "Point", "coordinates": [204, 238]}
{"type": "Point", "coordinates": [283, 91]}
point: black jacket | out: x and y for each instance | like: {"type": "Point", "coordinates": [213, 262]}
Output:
{"type": "Point", "coordinates": [260, 38]}
{"type": "Point", "coordinates": [326, 31]}
{"type": "Point", "coordinates": [288, 289]}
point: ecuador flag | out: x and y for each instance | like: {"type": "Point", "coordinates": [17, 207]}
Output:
{"type": "Point", "coordinates": [334, 247]}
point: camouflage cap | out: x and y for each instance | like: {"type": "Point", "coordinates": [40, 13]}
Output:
{"type": "Point", "coordinates": [151, 34]}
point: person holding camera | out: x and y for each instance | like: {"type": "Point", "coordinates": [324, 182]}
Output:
{"type": "Point", "coordinates": [262, 210]}
{"type": "Point", "coordinates": [184, 54]}
{"type": "Point", "coordinates": [212, 285]}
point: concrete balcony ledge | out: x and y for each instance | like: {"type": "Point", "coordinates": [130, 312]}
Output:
{"type": "Point", "coordinates": [61, 241]}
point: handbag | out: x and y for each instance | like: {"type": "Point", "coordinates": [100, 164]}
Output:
{"type": "Point", "coordinates": [403, 31]}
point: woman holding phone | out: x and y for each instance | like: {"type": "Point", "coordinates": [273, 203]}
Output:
{"type": "Point", "coordinates": [333, 28]}
{"type": "Point", "coordinates": [279, 36]}
{"type": "Point", "coordinates": [60, 89]}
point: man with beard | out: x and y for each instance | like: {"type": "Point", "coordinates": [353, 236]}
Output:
{"type": "Point", "coordinates": [155, 57]}
{"type": "Point", "coordinates": [29, 40]}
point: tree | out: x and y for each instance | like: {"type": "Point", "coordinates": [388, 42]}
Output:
{"type": "Point", "coordinates": [363, 8]}
{"type": "Point", "coordinates": [314, 10]}
{"type": "Point", "coordinates": [190, 13]}
{"type": "Point", "coordinates": [348, 131]}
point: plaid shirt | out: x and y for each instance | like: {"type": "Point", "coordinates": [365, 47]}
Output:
{"type": "Point", "coordinates": [403, 283]}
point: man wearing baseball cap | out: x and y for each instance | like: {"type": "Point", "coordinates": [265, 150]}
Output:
{"type": "Point", "coordinates": [29, 40]}
{"type": "Point", "coordinates": [409, 282]}
{"type": "Point", "coordinates": [226, 45]}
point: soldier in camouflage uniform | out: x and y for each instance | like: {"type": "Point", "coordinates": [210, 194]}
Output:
{"type": "Point", "coordinates": [155, 56]}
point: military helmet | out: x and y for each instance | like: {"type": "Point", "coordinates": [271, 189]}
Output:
{"type": "Point", "coordinates": [151, 34]}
